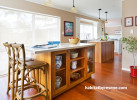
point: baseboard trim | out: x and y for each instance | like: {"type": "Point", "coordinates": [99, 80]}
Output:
{"type": "Point", "coordinates": [126, 69]}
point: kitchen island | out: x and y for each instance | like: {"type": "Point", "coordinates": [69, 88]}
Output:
{"type": "Point", "coordinates": [60, 79]}
{"type": "Point", "coordinates": [104, 50]}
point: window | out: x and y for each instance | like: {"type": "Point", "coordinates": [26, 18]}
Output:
{"type": "Point", "coordinates": [86, 31]}
{"type": "Point", "coordinates": [27, 28]}
{"type": "Point", "coordinates": [46, 29]}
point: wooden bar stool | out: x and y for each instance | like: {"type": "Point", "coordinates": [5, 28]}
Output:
{"type": "Point", "coordinates": [30, 66]}
{"type": "Point", "coordinates": [11, 68]}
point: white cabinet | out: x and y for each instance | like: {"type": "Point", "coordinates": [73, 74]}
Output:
{"type": "Point", "coordinates": [117, 46]}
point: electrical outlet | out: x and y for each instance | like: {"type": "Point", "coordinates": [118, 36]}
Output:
{"type": "Point", "coordinates": [131, 31]}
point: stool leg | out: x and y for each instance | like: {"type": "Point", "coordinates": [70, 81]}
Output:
{"type": "Point", "coordinates": [22, 83]}
{"type": "Point", "coordinates": [38, 79]}
{"type": "Point", "coordinates": [8, 79]}
{"type": "Point", "coordinates": [28, 75]}
{"type": "Point", "coordinates": [34, 75]}
{"type": "Point", "coordinates": [16, 86]}
{"type": "Point", "coordinates": [13, 79]}
{"type": "Point", "coordinates": [46, 93]}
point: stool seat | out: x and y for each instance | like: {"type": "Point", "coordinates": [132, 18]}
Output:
{"type": "Point", "coordinates": [34, 64]}
{"type": "Point", "coordinates": [26, 59]}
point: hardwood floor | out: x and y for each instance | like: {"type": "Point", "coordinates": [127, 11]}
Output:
{"type": "Point", "coordinates": [106, 74]}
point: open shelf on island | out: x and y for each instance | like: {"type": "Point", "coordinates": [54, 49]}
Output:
{"type": "Point", "coordinates": [80, 54]}
{"type": "Point", "coordinates": [63, 60]}
{"type": "Point", "coordinates": [62, 74]}
{"type": "Point", "coordinates": [90, 62]}
{"type": "Point", "coordinates": [79, 58]}
{"type": "Point", "coordinates": [62, 68]}
{"type": "Point", "coordinates": [81, 72]}
{"type": "Point", "coordinates": [75, 70]}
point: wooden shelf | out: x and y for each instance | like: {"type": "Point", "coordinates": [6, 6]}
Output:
{"type": "Point", "coordinates": [63, 68]}
{"type": "Point", "coordinates": [73, 82]}
{"type": "Point", "coordinates": [75, 70]}
{"type": "Point", "coordinates": [79, 58]}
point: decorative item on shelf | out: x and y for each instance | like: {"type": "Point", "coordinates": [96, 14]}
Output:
{"type": "Point", "coordinates": [106, 17]}
{"type": "Point", "coordinates": [48, 3]}
{"type": "Point", "coordinates": [74, 55]}
{"type": "Point", "coordinates": [75, 76]}
{"type": "Point", "coordinates": [73, 40]}
{"type": "Point", "coordinates": [99, 19]}
{"type": "Point", "coordinates": [89, 64]}
{"type": "Point", "coordinates": [131, 47]}
{"type": "Point", "coordinates": [88, 54]}
{"type": "Point", "coordinates": [68, 28]}
{"type": "Point", "coordinates": [58, 62]}
{"type": "Point", "coordinates": [73, 9]}
{"type": "Point", "coordinates": [74, 65]}
{"type": "Point", "coordinates": [88, 68]}
{"type": "Point", "coordinates": [58, 82]}
{"type": "Point", "coordinates": [128, 21]}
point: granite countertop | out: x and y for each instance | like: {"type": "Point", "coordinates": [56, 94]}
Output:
{"type": "Point", "coordinates": [62, 46]}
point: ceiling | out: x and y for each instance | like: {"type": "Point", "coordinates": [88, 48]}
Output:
{"type": "Point", "coordinates": [89, 7]}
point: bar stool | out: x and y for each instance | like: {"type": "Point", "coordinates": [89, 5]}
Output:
{"type": "Point", "coordinates": [22, 66]}
{"type": "Point", "coordinates": [11, 68]}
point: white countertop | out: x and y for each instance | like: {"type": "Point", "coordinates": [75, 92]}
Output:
{"type": "Point", "coordinates": [62, 46]}
{"type": "Point", "coordinates": [102, 41]}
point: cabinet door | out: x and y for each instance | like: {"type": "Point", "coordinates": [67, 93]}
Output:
{"type": "Point", "coordinates": [103, 52]}
{"type": "Point", "coordinates": [109, 50]}
{"type": "Point", "coordinates": [60, 71]}
{"type": "Point", "coordinates": [112, 50]}
{"type": "Point", "coordinates": [90, 61]}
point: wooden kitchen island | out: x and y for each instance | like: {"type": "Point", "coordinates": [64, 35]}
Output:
{"type": "Point", "coordinates": [104, 51]}
{"type": "Point", "coordinates": [85, 65]}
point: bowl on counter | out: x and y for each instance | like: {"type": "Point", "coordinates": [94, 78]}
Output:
{"type": "Point", "coordinates": [74, 76]}
{"type": "Point", "coordinates": [73, 40]}
{"type": "Point", "coordinates": [74, 55]}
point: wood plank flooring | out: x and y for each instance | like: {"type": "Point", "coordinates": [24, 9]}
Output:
{"type": "Point", "coordinates": [106, 74]}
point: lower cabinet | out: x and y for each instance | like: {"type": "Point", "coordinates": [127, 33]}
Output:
{"type": "Point", "coordinates": [71, 67]}
{"type": "Point", "coordinates": [104, 51]}
{"type": "Point", "coordinates": [107, 52]}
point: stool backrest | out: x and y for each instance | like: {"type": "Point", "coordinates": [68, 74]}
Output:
{"type": "Point", "coordinates": [18, 49]}
{"type": "Point", "coordinates": [9, 52]}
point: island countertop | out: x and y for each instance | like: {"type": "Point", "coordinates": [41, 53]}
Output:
{"type": "Point", "coordinates": [102, 41]}
{"type": "Point", "coordinates": [62, 46]}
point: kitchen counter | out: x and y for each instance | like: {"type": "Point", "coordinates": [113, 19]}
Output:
{"type": "Point", "coordinates": [85, 66]}
{"type": "Point", "coordinates": [104, 50]}
{"type": "Point", "coordinates": [103, 41]}
{"type": "Point", "coordinates": [62, 46]}
{"type": "Point", "coordinates": [88, 41]}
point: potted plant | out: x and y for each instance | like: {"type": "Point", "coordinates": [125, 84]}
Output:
{"type": "Point", "coordinates": [131, 47]}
